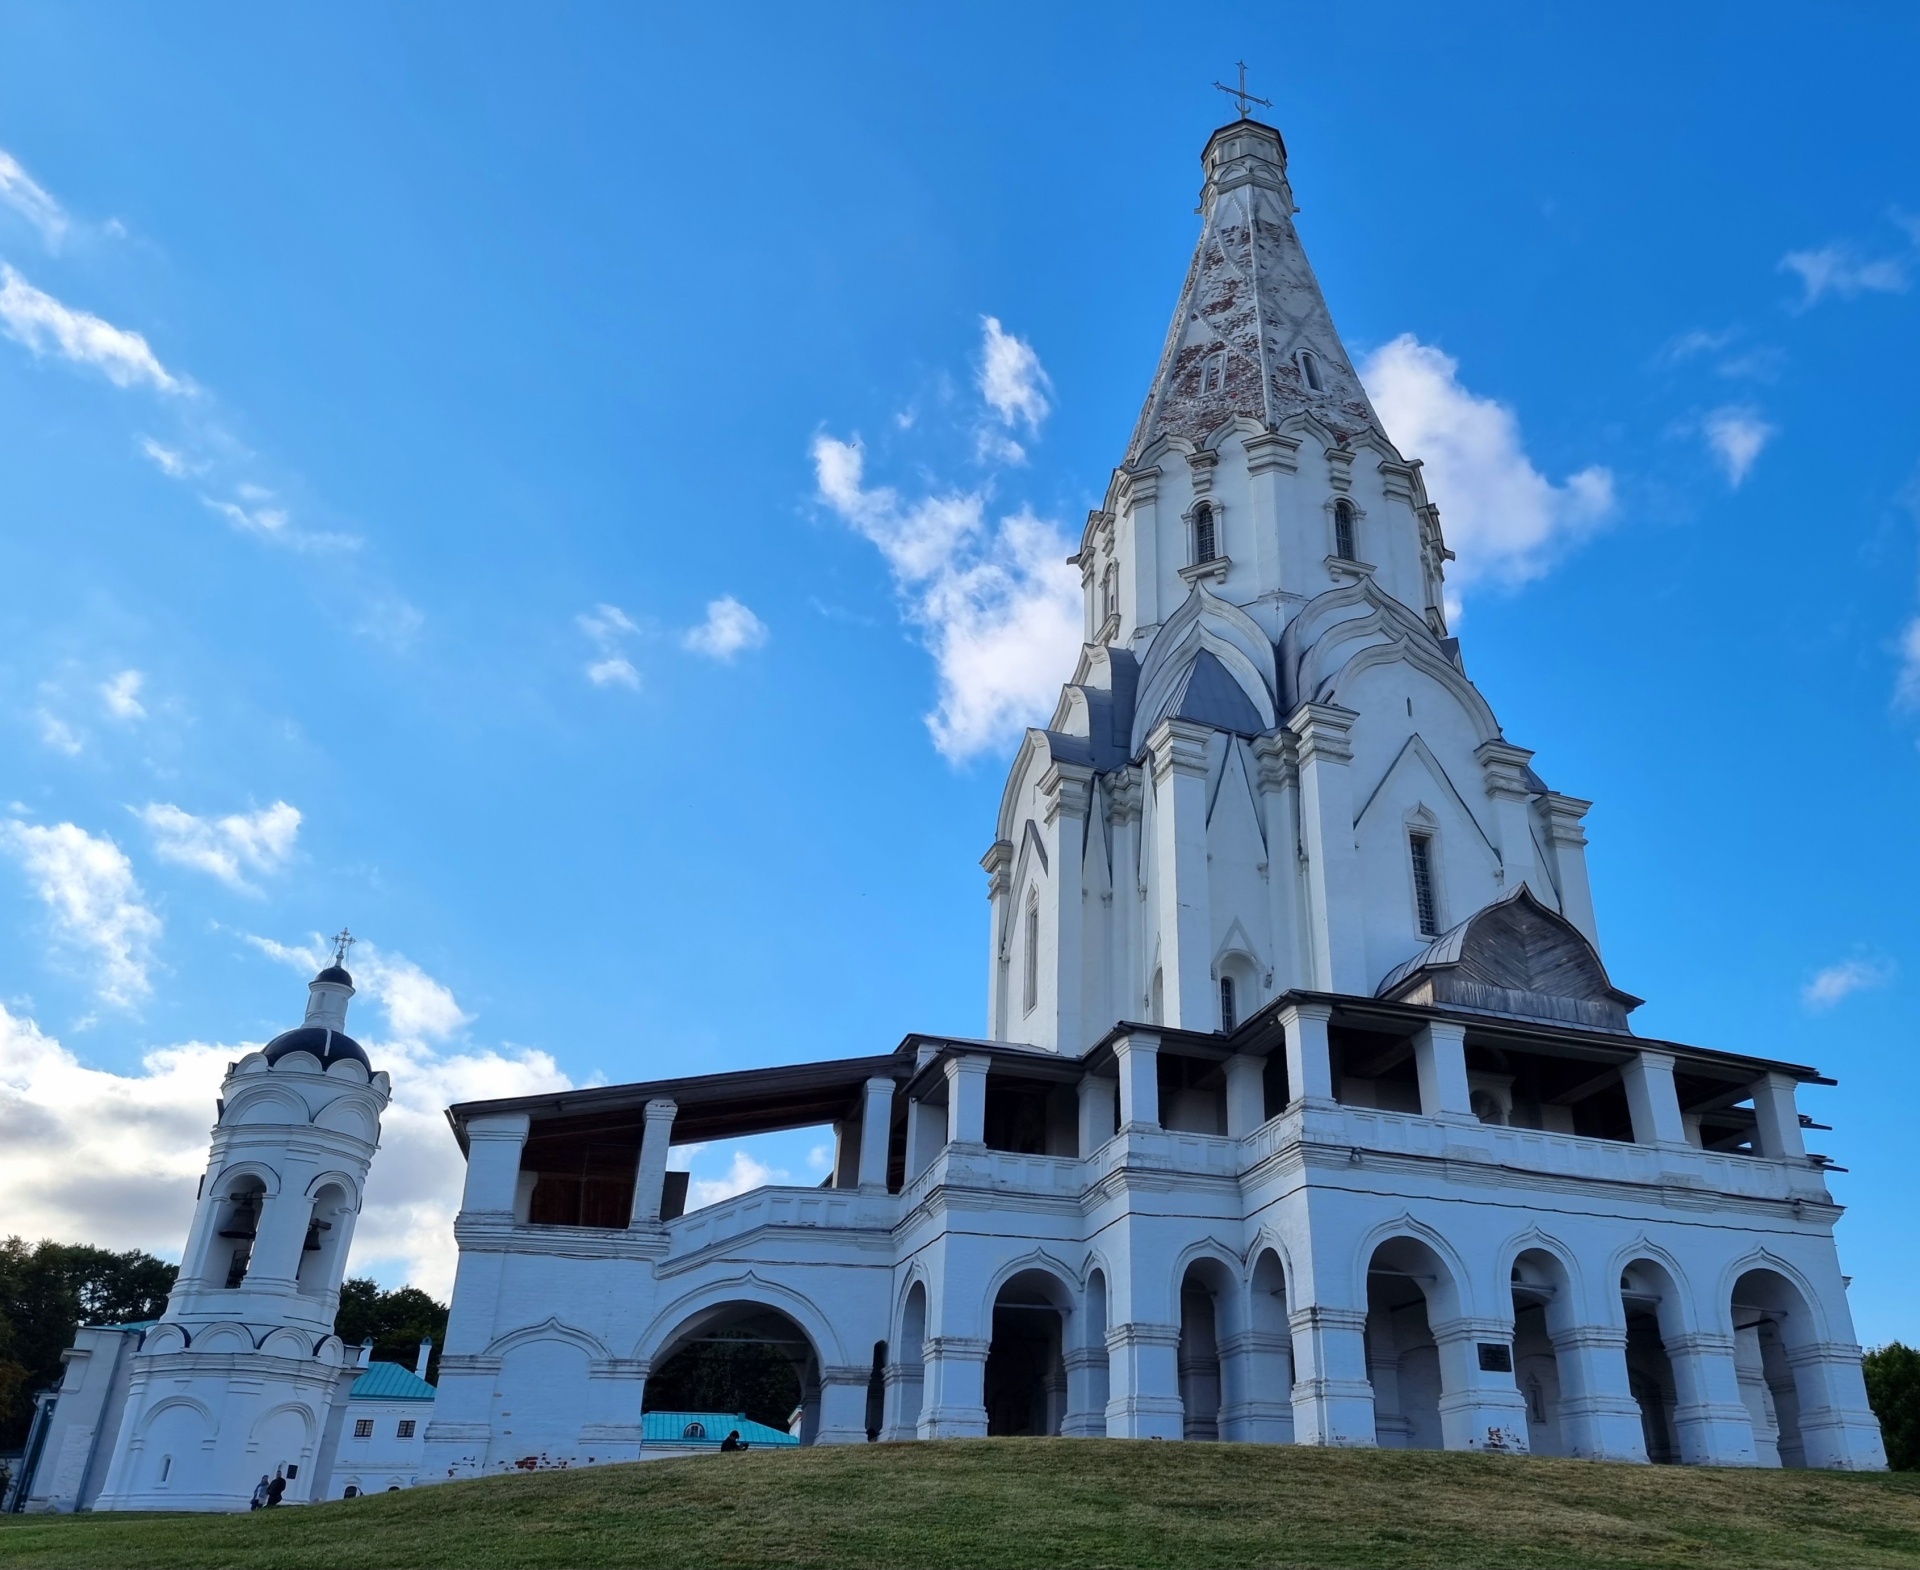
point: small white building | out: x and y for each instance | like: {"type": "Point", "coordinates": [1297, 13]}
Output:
{"type": "Point", "coordinates": [382, 1431]}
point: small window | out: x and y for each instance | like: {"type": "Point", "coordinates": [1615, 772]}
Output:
{"type": "Point", "coordinates": [351, 1493]}
{"type": "Point", "coordinates": [1310, 371]}
{"type": "Point", "coordinates": [1228, 1016]}
{"type": "Point", "coordinates": [1031, 982]}
{"type": "Point", "coordinates": [1536, 1400]}
{"type": "Point", "coordinates": [1426, 904]}
{"type": "Point", "coordinates": [694, 1431]}
{"type": "Point", "coordinates": [1110, 592]}
{"type": "Point", "coordinates": [1205, 544]}
{"type": "Point", "coordinates": [166, 1468]}
{"type": "Point", "coordinates": [1213, 372]}
{"type": "Point", "coordinates": [1343, 531]}
{"type": "Point", "coordinates": [405, 1430]}
{"type": "Point", "coordinates": [363, 1428]}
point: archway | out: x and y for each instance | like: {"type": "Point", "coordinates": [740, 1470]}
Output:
{"type": "Point", "coordinates": [907, 1376]}
{"type": "Point", "coordinates": [1263, 1410]}
{"type": "Point", "coordinates": [1026, 1375]}
{"type": "Point", "coordinates": [1652, 1304]}
{"type": "Point", "coordinates": [1206, 1296]}
{"type": "Point", "coordinates": [1542, 1309]}
{"type": "Point", "coordinates": [1403, 1359]}
{"type": "Point", "coordinates": [326, 1230]}
{"type": "Point", "coordinates": [1770, 1320]}
{"type": "Point", "coordinates": [1088, 1371]}
{"type": "Point", "coordinates": [740, 1357]}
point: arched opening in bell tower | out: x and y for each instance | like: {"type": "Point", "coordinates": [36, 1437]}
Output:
{"type": "Point", "coordinates": [1026, 1374]}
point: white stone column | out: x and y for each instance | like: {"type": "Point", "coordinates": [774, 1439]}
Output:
{"type": "Point", "coordinates": [1097, 1111]}
{"type": "Point", "coordinates": [1504, 768]}
{"type": "Point", "coordinates": [1480, 1408]}
{"type": "Point", "coordinates": [926, 1133]}
{"type": "Point", "coordinates": [1652, 1099]}
{"type": "Point", "coordinates": [1778, 1118]}
{"type": "Point", "coordinates": [1332, 1396]}
{"type": "Point", "coordinates": [1139, 529]}
{"type": "Point", "coordinates": [1567, 844]}
{"type": "Point", "coordinates": [876, 1128]}
{"type": "Point", "coordinates": [1710, 1419]}
{"type": "Point", "coordinates": [1277, 759]}
{"type": "Point", "coordinates": [1269, 456]}
{"type": "Point", "coordinates": [967, 1100]}
{"type": "Point", "coordinates": [1087, 1392]}
{"type": "Point", "coordinates": [1067, 789]}
{"type": "Point", "coordinates": [1838, 1428]}
{"type": "Point", "coordinates": [905, 1381]}
{"type": "Point", "coordinates": [843, 1405]}
{"type": "Point", "coordinates": [1335, 939]}
{"type": "Point", "coordinates": [1598, 1414]}
{"type": "Point", "coordinates": [1309, 1058]}
{"type": "Point", "coordinates": [998, 862]}
{"type": "Point", "coordinates": [1246, 1094]}
{"type": "Point", "coordinates": [1137, 1057]}
{"type": "Point", "coordinates": [1178, 753]}
{"type": "Point", "coordinates": [954, 1405]}
{"type": "Point", "coordinates": [1440, 1059]}
{"type": "Point", "coordinates": [1143, 1372]}
{"type": "Point", "coordinates": [650, 1177]}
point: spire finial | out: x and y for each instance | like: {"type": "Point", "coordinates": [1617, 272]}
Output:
{"type": "Point", "coordinates": [1240, 94]}
{"type": "Point", "coordinates": [344, 941]}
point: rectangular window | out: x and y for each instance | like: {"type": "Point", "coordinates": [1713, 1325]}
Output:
{"type": "Point", "coordinates": [1031, 983]}
{"type": "Point", "coordinates": [363, 1428]}
{"type": "Point", "coordinates": [406, 1428]}
{"type": "Point", "coordinates": [1205, 542]}
{"type": "Point", "coordinates": [1426, 907]}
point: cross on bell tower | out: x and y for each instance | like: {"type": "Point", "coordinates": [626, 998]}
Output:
{"type": "Point", "coordinates": [1240, 95]}
{"type": "Point", "coordinates": [343, 941]}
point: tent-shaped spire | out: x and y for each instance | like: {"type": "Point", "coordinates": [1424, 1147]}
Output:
{"type": "Point", "coordinates": [1252, 335]}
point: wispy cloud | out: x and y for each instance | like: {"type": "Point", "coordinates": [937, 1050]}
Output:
{"type": "Point", "coordinates": [57, 733]}
{"type": "Point", "coordinates": [170, 461]}
{"type": "Point", "coordinates": [95, 905]}
{"type": "Point", "coordinates": [1504, 519]}
{"type": "Point", "coordinates": [226, 848]}
{"type": "Point", "coordinates": [608, 628]}
{"type": "Point", "coordinates": [1907, 685]}
{"type": "Point", "coordinates": [1842, 270]}
{"type": "Point", "coordinates": [729, 630]}
{"type": "Point", "coordinates": [998, 606]}
{"type": "Point", "coordinates": [120, 693]}
{"type": "Point", "coordinates": [25, 196]}
{"type": "Point", "coordinates": [1735, 436]}
{"type": "Point", "coordinates": [1840, 981]}
{"type": "Point", "coordinates": [36, 319]}
{"type": "Point", "coordinates": [253, 516]}
{"type": "Point", "coordinates": [418, 1008]}
{"type": "Point", "coordinates": [1012, 380]}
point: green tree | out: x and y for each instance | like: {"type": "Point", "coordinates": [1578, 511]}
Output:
{"type": "Point", "coordinates": [395, 1322]}
{"type": "Point", "coordinates": [48, 1291]}
{"type": "Point", "coordinates": [1893, 1386]}
{"type": "Point", "coordinates": [727, 1374]}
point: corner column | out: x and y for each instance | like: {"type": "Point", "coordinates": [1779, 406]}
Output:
{"type": "Point", "coordinates": [1137, 1056]}
{"type": "Point", "coordinates": [1332, 1396]}
{"type": "Point", "coordinates": [1309, 1059]}
{"type": "Point", "coordinates": [1778, 1117]}
{"type": "Point", "coordinates": [967, 1100]}
{"type": "Point", "coordinates": [1143, 1371]}
{"type": "Point", "coordinates": [1440, 1058]}
{"type": "Point", "coordinates": [955, 1403]}
{"type": "Point", "coordinates": [1177, 751]}
{"type": "Point", "coordinates": [1597, 1409]}
{"type": "Point", "coordinates": [876, 1132]}
{"type": "Point", "coordinates": [494, 1144]}
{"type": "Point", "coordinates": [1334, 938]}
{"type": "Point", "coordinates": [650, 1178]}
{"type": "Point", "coordinates": [1098, 1112]}
{"type": "Point", "coordinates": [1246, 1094]}
{"type": "Point", "coordinates": [1652, 1100]}
{"type": "Point", "coordinates": [1067, 788]}
{"type": "Point", "coordinates": [843, 1405]}
{"type": "Point", "coordinates": [1480, 1408]}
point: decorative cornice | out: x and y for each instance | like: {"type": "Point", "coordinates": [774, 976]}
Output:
{"type": "Point", "coordinates": [1277, 756]}
{"type": "Point", "coordinates": [1270, 450]}
{"type": "Point", "coordinates": [1340, 468]}
{"type": "Point", "coordinates": [1563, 819]}
{"type": "Point", "coordinates": [1179, 747]}
{"type": "Point", "coordinates": [1505, 767]}
{"type": "Point", "coordinates": [1216, 570]}
{"type": "Point", "coordinates": [1202, 463]}
{"type": "Point", "coordinates": [998, 862]}
{"type": "Point", "coordinates": [1068, 788]}
{"type": "Point", "coordinates": [1323, 729]}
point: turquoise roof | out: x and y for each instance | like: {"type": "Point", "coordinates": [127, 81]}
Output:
{"type": "Point", "coordinates": [670, 1428]}
{"type": "Point", "coordinates": [390, 1382]}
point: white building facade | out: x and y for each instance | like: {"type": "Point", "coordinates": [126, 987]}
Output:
{"type": "Point", "coordinates": [1307, 1110]}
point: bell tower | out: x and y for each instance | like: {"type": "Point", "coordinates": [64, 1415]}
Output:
{"type": "Point", "coordinates": [238, 1377]}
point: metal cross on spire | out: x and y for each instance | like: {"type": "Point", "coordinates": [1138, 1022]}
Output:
{"type": "Point", "coordinates": [341, 944]}
{"type": "Point", "coordinates": [1240, 94]}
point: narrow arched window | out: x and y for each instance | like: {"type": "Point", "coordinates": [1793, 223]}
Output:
{"type": "Point", "coordinates": [1031, 982]}
{"type": "Point", "coordinates": [166, 1468]}
{"type": "Point", "coordinates": [1426, 900]}
{"type": "Point", "coordinates": [1213, 372]}
{"type": "Point", "coordinates": [1205, 542]}
{"type": "Point", "coordinates": [1229, 1016]}
{"type": "Point", "coordinates": [1310, 371]}
{"type": "Point", "coordinates": [1110, 592]}
{"type": "Point", "coordinates": [1343, 531]}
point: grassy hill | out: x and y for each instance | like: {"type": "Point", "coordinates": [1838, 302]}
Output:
{"type": "Point", "coordinates": [1025, 1502]}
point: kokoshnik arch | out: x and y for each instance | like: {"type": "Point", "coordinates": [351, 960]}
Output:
{"type": "Point", "coordinates": [1307, 1110]}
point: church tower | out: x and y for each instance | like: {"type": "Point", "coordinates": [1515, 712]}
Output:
{"type": "Point", "coordinates": [1269, 771]}
{"type": "Point", "coordinates": [239, 1377]}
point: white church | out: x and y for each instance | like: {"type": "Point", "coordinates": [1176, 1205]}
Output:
{"type": "Point", "coordinates": [1307, 1112]}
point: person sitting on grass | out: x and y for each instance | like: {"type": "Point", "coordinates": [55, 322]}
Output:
{"type": "Point", "coordinates": [733, 1441]}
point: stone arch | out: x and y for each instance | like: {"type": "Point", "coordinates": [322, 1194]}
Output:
{"type": "Point", "coordinates": [154, 1413]}
{"type": "Point", "coordinates": [1209, 1311]}
{"type": "Point", "coordinates": [296, 1409]}
{"type": "Point", "coordinates": [906, 1378]}
{"type": "Point", "coordinates": [1038, 1262]}
{"type": "Point", "coordinates": [224, 1337]}
{"type": "Point", "coordinates": [257, 1103]}
{"type": "Point", "coordinates": [333, 1201]}
{"type": "Point", "coordinates": [1658, 1313]}
{"type": "Point", "coordinates": [1454, 1278]}
{"type": "Point", "coordinates": [552, 1328]}
{"type": "Point", "coordinates": [1419, 1295]}
{"type": "Point", "coordinates": [754, 1312]}
{"type": "Point", "coordinates": [747, 1288]}
{"type": "Point", "coordinates": [1029, 1306]}
{"type": "Point", "coordinates": [250, 1167]}
{"type": "Point", "coordinates": [1764, 1259]}
{"type": "Point", "coordinates": [1259, 1404]}
{"type": "Point", "coordinates": [345, 1115]}
{"type": "Point", "coordinates": [349, 1068]}
{"type": "Point", "coordinates": [286, 1343]}
{"type": "Point", "coordinates": [1546, 1292]}
{"type": "Point", "coordinates": [1089, 1370]}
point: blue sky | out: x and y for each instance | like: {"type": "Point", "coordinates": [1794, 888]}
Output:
{"type": "Point", "coordinates": [411, 516]}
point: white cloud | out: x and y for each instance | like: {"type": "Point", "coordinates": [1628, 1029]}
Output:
{"type": "Point", "coordinates": [742, 1174]}
{"type": "Point", "coordinates": [999, 608]}
{"type": "Point", "coordinates": [1839, 270]}
{"type": "Point", "coordinates": [1012, 380]}
{"type": "Point", "coordinates": [113, 1159]}
{"type": "Point", "coordinates": [93, 901]}
{"type": "Point", "coordinates": [121, 694]}
{"type": "Point", "coordinates": [170, 461]}
{"type": "Point", "coordinates": [44, 325]}
{"type": "Point", "coordinates": [1735, 435]}
{"type": "Point", "coordinates": [1906, 690]}
{"type": "Point", "coordinates": [274, 524]}
{"type": "Point", "coordinates": [418, 1008]}
{"type": "Point", "coordinates": [1695, 341]}
{"type": "Point", "coordinates": [58, 734]}
{"type": "Point", "coordinates": [608, 628]}
{"type": "Point", "coordinates": [1504, 519]}
{"type": "Point", "coordinates": [226, 848]}
{"type": "Point", "coordinates": [729, 629]}
{"type": "Point", "coordinates": [1836, 982]}
{"type": "Point", "coordinates": [20, 191]}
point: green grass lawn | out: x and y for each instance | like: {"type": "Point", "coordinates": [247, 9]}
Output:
{"type": "Point", "coordinates": [1023, 1502]}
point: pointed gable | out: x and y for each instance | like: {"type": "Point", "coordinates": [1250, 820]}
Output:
{"type": "Point", "coordinates": [1518, 958]}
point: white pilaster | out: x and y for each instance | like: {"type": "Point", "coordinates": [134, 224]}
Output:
{"type": "Point", "coordinates": [1652, 1099]}
{"type": "Point", "coordinates": [1137, 1057]}
{"type": "Point", "coordinates": [876, 1128]}
{"type": "Point", "coordinates": [1097, 1111]}
{"type": "Point", "coordinates": [1778, 1119]}
{"type": "Point", "coordinates": [1335, 938]}
{"type": "Point", "coordinates": [494, 1143]}
{"type": "Point", "coordinates": [1567, 844]}
{"type": "Point", "coordinates": [1504, 768]}
{"type": "Point", "coordinates": [967, 1100]}
{"type": "Point", "coordinates": [1178, 750]}
{"type": "Point", "coordinates": [1440, 1058]}
{"type": "Point", "coordinates": [1066, 789]}
{"type": "Point", "coordinates": [650, 1178]}
{"type": "Point", "coordinates": [1309, 1059]}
